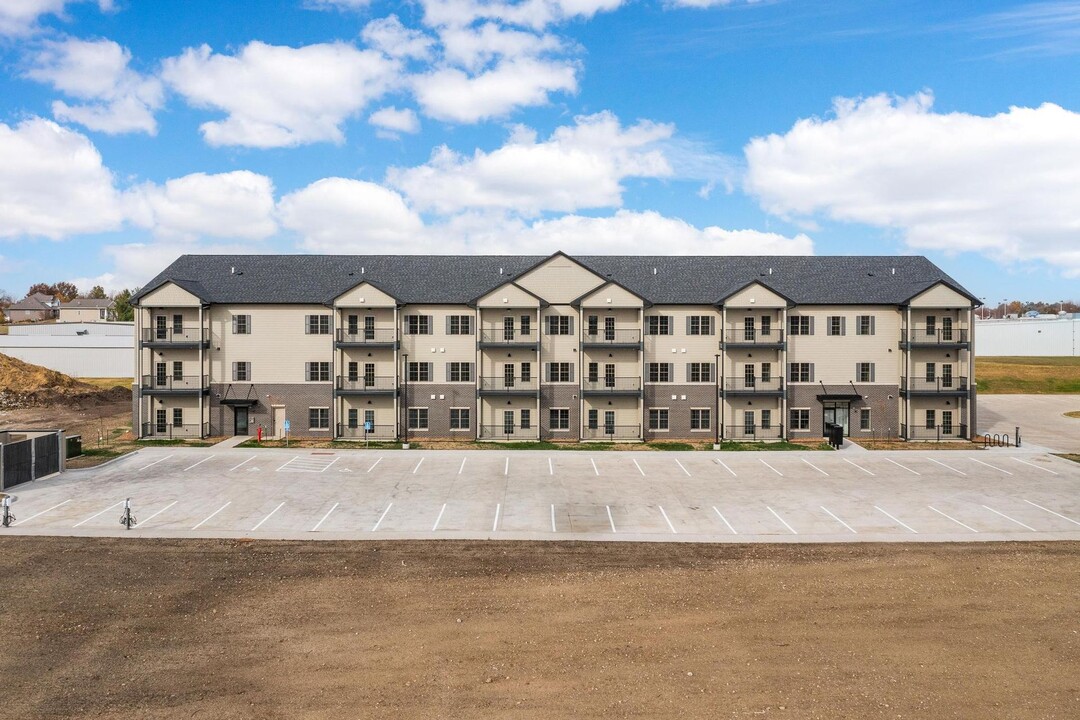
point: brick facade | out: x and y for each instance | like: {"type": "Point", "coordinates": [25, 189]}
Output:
{"type": "Point", "coordinates": [697, 395]}
{"type": "Point", "coordinates": [296, 397]}
{"type": "Point", "coordinates": [560, 396]}
{"type": "Point", "coordinates": [883, 401]}
{"type": "Point", "coordinates": [438, 398]}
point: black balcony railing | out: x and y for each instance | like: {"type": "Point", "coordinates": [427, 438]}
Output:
{"type": "Point", "coordinates": [741, 431]}
{"type": "Point", "coordinates": [508, 431]}
{"type": "Point", "coordinates": [618, 336]}
{"type": "Point", "coordinates": [955, 384]}
{"type": "Point", "coordinates": [958, 431]}
{"type": "Point", "coordinates": [612, 385]}
{"type": "Point", "coordinates": [373, 432]}
{"type": "Point", "coordinates": [366, 336]}
{"type": "Point", "coordinates": [501, 383]}
{"type": "Point", "coordinates": [506, 336]}
{"type": "Point", "coordinates": [753, 336]}
{"type": "Point", "coordinates": [170, 431]}
{"type": "Point", "coordinates": [367, 383]}
{"type": "Point", "coordinates": [611, 432]}
{"type": "Point", "coordinates": [934, 335]}
{"type": "Point", "coordinates": [173, 334]}
{"type": "Point", "coordinates": [771, 384]}
{"type": "Point", "coordinates": [171, 383]}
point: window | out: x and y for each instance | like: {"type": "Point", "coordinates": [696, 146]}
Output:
{"type": "Point", "coordinates": [178, 417]}
{"type": "Point", "coordinates": [352, 325]}
{"type": "Point", "coordinates": [354, 371]}
{"type": "Point", "coordinates": [241, 324]}
{"type": "Point", "coordinates": [658, 419]}
{"type": "Point", "coordinates": [559, 418]}
{"type": "Point", "coordinates": [931, 419]}
{"type": "Point", "coordinates": [417, 324]}
{"type": "Point", "coordinates": [318, 418]}
{"type": "Point", "coordinates": [526, 325]}
{"type": "Point", "coordinates": [459, 372]}
{"type": "Point", "coordinates": [699, 325]}
{"type": "Point", "coordinates": [178, 370]}
{"type": "Point", "coordinates": [800, 325]}
{"type": "Point", "coordinates": [931, 372]}
{"type": "Point", "coordinates": [766, 325]}
{"type": "Point", "coordinates": [864, 325]}
{"type": "Point", "coordinates": [526, 372]}
{"type": "Point", "coordinates": [318, 325]}
{"type": "Point", "coordinates": [658, 325]}
{"type": "Point", "coordinates": [931, 325]}
{"type": "Point", "coordinates": [526, 419]}
{"type": "Point", "coordinates": [800, 372]}
{"type": "Point", "coordinates": [560, 372]}
{"type": "Point", "coordinates": [459, 419]}
{"type": "Point", "coordinates": [865, 372]}
{"type": "Point", "coordinates": [864, 419]}
{"type": "Point", "coordinates": [836, 325]}
{"type": "Point", "coordinates": [700, 418]}
{"type": "Point", "coordinates": [766, 373]}
{"type": "Point", "coordinates": [101, 314]}
{"type": "Point", "coordinates": [594, 325]}
{"type": "Point", "coordinates": [659, 372]}
{"type": "Point", "coordinates": [418, 418]}
{"type": "Point", "coordinates": [766, 419]}
{"type": "Point", "coordinates": [699, 372]}
{"type": "Point", "coordinates": [594, 419]}
{"type": "Point", "coordinates": [800, 418]}
{"type": "Point", "coordinates": [178, 324]}
{"type": "Point", "coordinates": [420, 372]}
{"type": "Point", "coordinates": [354, 419]}
{"type": "Point", "coordinates": [241, 371]}
{"type": "Point", "coordinates": [594, 372]}
{"type": "Point", "coordinates": [317, 371]}
{"type": "Point", "coordinates": [559, 325]}
{"type": "Point", "coordinates": [459, 324]}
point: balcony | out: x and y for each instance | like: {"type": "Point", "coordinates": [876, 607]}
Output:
{"type": "Point", "coordinates": [181, 338]}
{"type": "Point", "coordinates": [754, 386]}
{"type": "Point", "coordinates": [366, 338]}
{"type": "Point", "coordinates": [502, 338]}
{"type": "Point", "coordinates": [616, 338]}
{"type": "Point", "coordinates": [939, 433]}
{"type": "Point", "coordinates": [612, 433]}
{"type": "Point", "coordinates": [366, 385]}
{"type": "Point", "coordinates": [938, 386]}
{"type": "Point", "coordinates": [612, 387]}
{"type": "Point", "coordinates": [934, 336]}
{"type": "Point", "coordinates": [751, 433]}
{"type": "Point", "coordinates": [358, 432]}
{"type": "Point", "coordinates": [170, 431]}
{"type": "Point", "coordinates": [173, 385]}
{"type": "Point", "coordinates": [772, 338]}
{"type": "Point", "coordinates": [501, 385]}
{"type": "Point", "coordinates": [508, 432]}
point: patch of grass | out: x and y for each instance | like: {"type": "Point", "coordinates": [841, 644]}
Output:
{"type": "Point", "coordinates": [1028, 375]}
{"type": "Point", "coordinates": [781, 445]}
{"type": "Point", "coordinates": [107, 383]}
{"type": "Point", "coordinates": [171, 443]}
{"type": "Point", "coordinates": [1073, 414]}
{"type": "Point", "coordinates": [677, 446]}
{"type": "Point", "coordinates": [1071, 456]}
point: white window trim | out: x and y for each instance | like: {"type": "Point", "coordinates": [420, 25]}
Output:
{"type": "Point", "coordinates": [861, 428]}
{"type": "Point", "coordinates": [465, 429]}
{"type": "Point", "coordinates": [648, 411]}
{"type": "Point", "coordinates": [794, 429]}
{"type": "Point", "coordinates": [708, 429]}
{"type": "Point", "coordinates": [568, 423]}
{"type": "Point", "coordinates": [412, 429]}
{"type": "Point", "coordinates": [314, 429]}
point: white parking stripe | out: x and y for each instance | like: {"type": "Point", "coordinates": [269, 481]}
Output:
{"type": "Point", "coordinates": [259, 524]}
{"type": "Point", "coordinates": [673, 531]}
{"type": "Point", "coordinates": [438, 519]}
{"type": "Point", "coordinates": [418, 466]}
{"type": "Point", "coordinates": [553, 518]}
{"type": "Point", "coordinates": [319, 524]}
{"type": "Point", "coordinates": [1053, 513]}
{"type": "Point", "coordinates": [990, 466]}
{"type": "Point", "coordinates": [725, 521]}
{"type": "Point", "coordinates": [781, 520]}
{"type": "Point", "coordinates": [243, 463]}
{"type": "Point", "coordinates": [376, 527]}
{"type": "Point", "coordinates": [495, 525]}
{"type": "Point", "coordinates": [838, 519]}
{"type": "Point", "coordinates": [594, 466]}
{"type": "Point", "coordinates": [373, 466]}
{"type": "Point", "coordinates": [859, 466]}
{"type": "Point", "coordinates": [143, 523]}
{"type": "Point", "coordinates": [721, 462]}
{"type": "Point", "coordinates": [1034, 466]}
{"type": "Point", "coordinates": [681, 467]}
{"type": "Point", "coordinates": [551, 467]}
{"type": "Point", "coordinates": [952, 518]}
{"type": "Point", "coordinates": [331, 463]}
{"type": "Point", "coordinates": [1010, 519]}
{"type": "Point", "coordinates": [638, 467]}
{"type": "Point", "coordinates": [913, 472]}
{"type": "Point", "coordinates": [506, 469]}
{"type": "Point", "coordinates": [896, 520]}
{"type": "Point", "coordinates": [98, 514]}
{"type": "Point", "coordinates": [199, 463]}
{"type": "Point", "coordinates": [212, 515]}
{"type": "Point", "coordinates": [609, 518]}
{"type": "Point", "coordinates": [462, 468]}
{"type": "Point", "coordinates": [286, 463]}
{"type": "Point", "coordinates": [771, 467]}
{"type": "Point", "coordinates": [155, 462]}
{"type": "Point", "coordinates": [815, 467]}
{"type": "Point", "coordinates": [20, 522]}
{"type": "Point", "coordinates": [950, 467]}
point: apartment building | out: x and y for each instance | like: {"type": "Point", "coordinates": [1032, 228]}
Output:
{"type": "Point", "coordinates": [555, 348]}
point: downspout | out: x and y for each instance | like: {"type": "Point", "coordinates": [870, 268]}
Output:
{"type": "Point", "coordinates": [397, 378]}
{"type": "Point", "coordinates": [907, 374]}
{"type": "Point", "coordinates": [202, 362]}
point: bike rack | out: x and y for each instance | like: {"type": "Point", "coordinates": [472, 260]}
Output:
{"type": "Point", "coordinates": [127, 519]}
{"type": "Point", "coordinates": [8, 517]}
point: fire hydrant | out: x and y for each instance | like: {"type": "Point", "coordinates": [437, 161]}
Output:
{"type": "Point", "coordinates": [259, 434]}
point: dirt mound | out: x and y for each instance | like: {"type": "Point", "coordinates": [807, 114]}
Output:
{"type": "Point", "coordinates": [23, 385]}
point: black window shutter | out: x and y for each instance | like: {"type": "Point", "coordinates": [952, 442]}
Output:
{"type": "Point", "coordinates": [843, 325]}
{"type": "Point", "coordinates": [811, 369]}
{"type": "Point", "coordinates": [871, 324]}
{"type": "Point", "coordinates": [872, 373]}
{"type": "Point", "coordinates": [571, 367]}
{"type": "Point", "coordinates": [811, 324]}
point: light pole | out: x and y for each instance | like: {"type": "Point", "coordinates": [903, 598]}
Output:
{"type": "Point", "coordinates": [405, 399]}
{"type": "Point", "coordinates": [719, 407]}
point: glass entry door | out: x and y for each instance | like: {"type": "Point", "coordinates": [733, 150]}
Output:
{"type": "Point", "coordinates": [836, 413]}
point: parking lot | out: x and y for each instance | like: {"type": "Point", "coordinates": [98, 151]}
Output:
{"type": "Point", "coordinates": [693, 496]}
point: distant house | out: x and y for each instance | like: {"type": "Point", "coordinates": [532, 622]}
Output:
{"type": "Point", "coordinates": [85, 310]}
{"type": "Point", "coordinates": [33, 308]}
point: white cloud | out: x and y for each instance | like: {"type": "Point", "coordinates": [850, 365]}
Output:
{"type": "Point", "coordinates": [1007, 186]}
{"type": "Point", "coordinates": [343, 215]}
{"type": "Point", "coordinates": [580, 166]}
{"type": "Point", "coordinates": [53, 183]}
{"type": "Point", "coordinates": [390, 118]}
{"type": "Point", "coordinates": [237, 204]}
{"type": "Point", "coordinates": [133, 264]}
{"type": "Point", "coordinates": [391, 37]}
{"type": "Point", "coordinates": [475, 47]}
{"type": "Point", "coordinates": [19, 17]}
{"type": "Point", "coordinates": [119, 99]}
{"type": "Point", "coordinates": [536, 14]}
{"type": "Point", "coordinates": [348, 5]}
{"type": "Point", "coordinates": [703, 4]}
{"type": "Point", "coordinates": [277, 96]}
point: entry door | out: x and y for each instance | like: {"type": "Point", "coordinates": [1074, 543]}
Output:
{"type": "Point", "coordinates": [609, 329]}
{"type": "Point", "coordinates": [508, 422]}
{"type": "Point", "coordinates": [240, 422]}
{"type": "Point", "coordinates": [748, 328]}
{"type": "Point", "coordinates": [946, 372]}
{"type": "Point", "coordinates": [161, 327]}
{"type": "Point", "coordinates": [748, 422]}
{"type": "Point", "coordinates": [161, 425]}
{"type": "Point", "coordinates": [836, 414]}
{"type": "Point", "coordinates": [609, 422]}
{"type": "Point", "coordinates": [946, 329]}
{"type": "Point", "coordinates": [278, 421]}
{"type": "Point", "coordinates": [609, 375]}
{"type": "Point", "coordinates": [508, 328]}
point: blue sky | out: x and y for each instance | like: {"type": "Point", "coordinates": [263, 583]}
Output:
{"type": "Point", "coordinates": [132, 132]}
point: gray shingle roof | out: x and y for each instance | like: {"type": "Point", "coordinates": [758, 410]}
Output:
{"type": "Point", "coordinates": [418, 279]}
{"type": "Point", "coordinates": [87, 303]}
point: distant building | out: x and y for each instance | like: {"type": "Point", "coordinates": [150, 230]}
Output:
{"type": "Point", "coordinates": [97, 349]}
{"type": "Point", "coordinates": [1043, 336]}
{"type": "Point", "coordinates": [86, 310]}
{"type": "Point", "coordinates": [34, 308]}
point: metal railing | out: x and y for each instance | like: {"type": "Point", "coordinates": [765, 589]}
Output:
{"type": "Point", "coordinates": [770, 384]}
{"type": "Point", "coordinates": [611, 432]}
{"type": "Point", "coordinates": [364, 336]}
{"type": "Point", "coordinates": [360, 383]}
{"type": "Point", "coordinates": [509, 337]}
{"type": "Point", "coordinates": [740, 431]}
{"type": "Point", "coordinates": [957, 383]}
{"type": "Point", "coordinates": [933, 335]}
{"type": "Point", "coordinates": [618, 336]}
{"type": "Point", "coordinates": [169, 382]}
{"type": "Point", "coordinates": [173, 334]}
{"type": "Point", "coordinates": [612, 385]}
{"type": "Point", "coordinates": [357, 432]}
{"type": "Point", "coordinates": [753, 336]}
{"type": "Point", "coordinates": [508, 432]}
{"type": "Point", "coordinates": [170, 431]}
{"type": "Point", "coordinates": [956, 431]}
{"type": "Point", "coordinates": [500, 383]}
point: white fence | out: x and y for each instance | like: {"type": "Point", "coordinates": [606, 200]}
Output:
{"type": "Point", "coordinates": [77, 356]}
{"type": "Point", "coordinates": [1036, 338]}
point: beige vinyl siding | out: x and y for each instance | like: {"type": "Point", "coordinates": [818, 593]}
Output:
{"type": "Point", "coordinates": [755, 296]}
{"type": "Point", "coordinates": [383, 407]}
{"type": "Point", "coordinates": [437, 348]}
{"type": "Point", "coordinates": [835, 356]}
{"type": "Point", "coordinates": [560, 280]}
{"type": "Point", "coordinates": [491, 414]}
{"type": "Point", "coordinates": [169, 295]}
{"type": "Point", "coordinates": [277, 347]}
{"type": "Point", "coordinates": [940, 296]}
{"type": "Point", "coordinates": [561, 348]}
{"type": "Point", "coordinates": [83, 314]}
{"type": "Point", "coordinates": [627, 411]}
{"type": "Point", "coordinates": [679, 348]}
{"type": "Point", "coordinates": [610, 295]}
{"type": "Point", "coordinates": [364, 295]}
{"type": "Point", "coordinates": [508, 296]}
{"type": "Point", "coordinates": [492, 360]}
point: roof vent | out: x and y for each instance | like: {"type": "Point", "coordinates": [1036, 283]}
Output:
{"type": "Point", "coordinates": [361, 271]}
{"type": "Point", "coordinates": [232, 270]}
{"type": "Point", "coordinates": [500, 271]}
{"type": "Point", "coordinates": [770, 271]}
{"type": "Point", "coordinates": [654, 271]}
{"type": "Point", "coordinates": [894, 271]}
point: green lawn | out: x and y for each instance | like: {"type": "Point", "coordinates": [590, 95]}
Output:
{"type": "Point", "coordinates": [1028, 375]}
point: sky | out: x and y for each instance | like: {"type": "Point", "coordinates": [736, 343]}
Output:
{"type": "Point", "coordinates": [134, 131]}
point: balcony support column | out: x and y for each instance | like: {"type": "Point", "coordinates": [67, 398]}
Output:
{"type": "Point", "coordinates": [202, 333]}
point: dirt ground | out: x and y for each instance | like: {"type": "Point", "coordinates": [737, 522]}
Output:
{"type": "Point", "coordinates": [224, 629]}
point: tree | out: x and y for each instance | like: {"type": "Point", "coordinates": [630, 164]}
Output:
{"type": "Point", "coordinates": [66, 292]}
{"type": "Point", "coordinates": [5, 298]}
{"type": "Point", "coordinates": [98, 293]}
{"type": "Point", "coordinates": [41, 288]}
{"type": "Point", "coordinates": [121, 306]}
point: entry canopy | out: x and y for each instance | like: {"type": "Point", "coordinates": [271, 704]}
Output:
{"type": "Point", "coordinates": [240, 402]}
{"type": "Point", "coordinates": [839, 396]}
